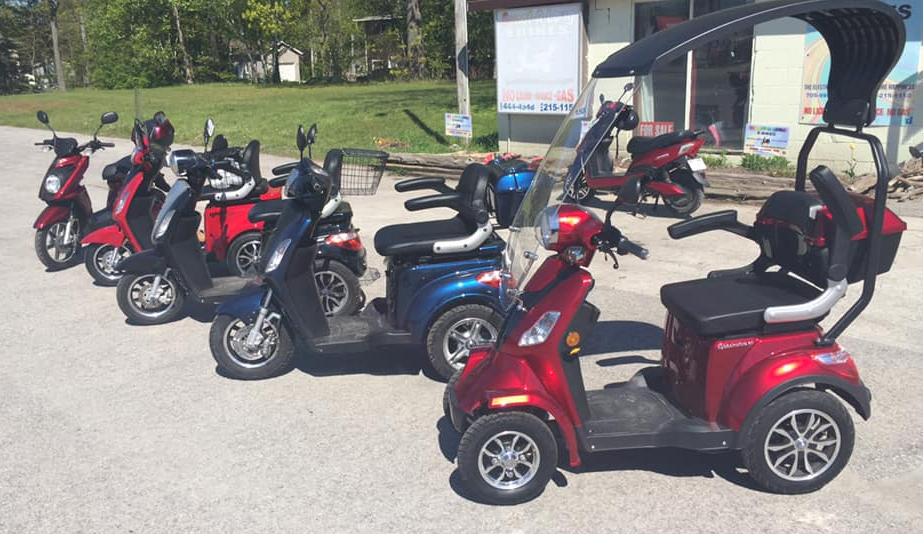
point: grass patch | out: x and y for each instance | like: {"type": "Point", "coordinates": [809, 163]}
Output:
{"type": "Point", "coordinates": [409, 115]}
{"type": "Point", "coordinates": [716, 161]}
{"type": "Point", "coordinates": [771, 165]}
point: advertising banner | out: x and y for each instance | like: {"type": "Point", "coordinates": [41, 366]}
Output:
{"type": "Point", "coordinates": [458, 125]}
{"type": "Point", "coordinates": [538, 58]}
{"type": "Point", "coordinates": [766, 140]}
{"type": "Point", "coordinates": [895, 102]}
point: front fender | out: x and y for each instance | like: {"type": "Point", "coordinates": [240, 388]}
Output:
{"type": "Point", "coordinates": [246, 304]}
{"type": "Point", "coordinates": [52, 213]}
{"type": "Point", "coordinates": [146, 262]}
{"type": "Point", "coordinates": [445, 293]}
{"type": "Point", "coordinates": [107, 235]}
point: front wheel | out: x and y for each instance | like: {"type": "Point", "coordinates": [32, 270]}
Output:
{"type": "Point", "coordinates": [143, 303]}
{"type": "Point", "coordinates": [507, 458]}
{"type": "Point", "coordinates": [239, 355]}
{"type": "Point", "coordinates": [798, 443]}
{"type": "Point", "coordinates": [456, 332]}
{"type": "Point", "coordinates": [692, 197]}
{"type": "Point", "coordinates": [55, 249]}
{"type": "Point", "coordinates": [101, 261]}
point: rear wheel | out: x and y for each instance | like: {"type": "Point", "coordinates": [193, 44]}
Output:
{"type": "Point", "coordinates": [142, 303]}
{"type": "Point", "coordinates": [691, 199]}
{"type": "Point", "coordinates": [456, 332]}
{"type": "Point", "coordinates": [267, 354]}
{"type": "Point", "coordinates": [507, 458]}
{"type": "Point", "coordinates": [581, 192]}
{"type": "Point", "coordinates": [339, 289]}
{"type": "Point", "coordinates": [244, 254]}
{"type": "Point", "coordinates": [54, 249]}
{"type": "Point", "coordinates": [798, 443]}
{"type": "Point", "coordinates": [101, 260]}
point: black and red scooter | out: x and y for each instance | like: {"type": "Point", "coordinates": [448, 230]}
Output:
{"type": "Point", "coordinates": [60, 226]}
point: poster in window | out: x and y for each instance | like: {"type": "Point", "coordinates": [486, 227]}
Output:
{"type": "Point", "coordinates": [538, 58]}
{"type": "Point", "coordinates": [895, 101]}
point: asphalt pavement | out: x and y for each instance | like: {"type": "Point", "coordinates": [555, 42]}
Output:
{"type": "Point", "coordinates": [109, 427]}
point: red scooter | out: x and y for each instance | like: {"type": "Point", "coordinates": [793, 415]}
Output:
{"type": "Point", "coordinates": [60, 225]}
{"type": "Point", "coordinates": [135, 207]}
{"type": "Point", "coordinates": [746, 365]}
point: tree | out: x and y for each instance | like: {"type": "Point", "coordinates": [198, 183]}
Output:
{"type": "Point", "coordinates": [415, 53]}
{"type": "Point", "coordinates": [187, 63]}
{"type": "Point", "coordinates": [53, 21]}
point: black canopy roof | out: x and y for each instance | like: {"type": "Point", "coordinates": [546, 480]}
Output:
{"type": "Point", "coordinates": [865, 37]}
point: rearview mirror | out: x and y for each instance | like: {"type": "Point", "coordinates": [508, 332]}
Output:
{"type": "Point", "coordinates": [207, 131]}
{"type": "Point", "coordinates": [109, 117]}
{"type": "Point", "coordinates": [629, 86]}
{"type": "Point", "coordinates": [630, 191]}
{"type": "Point", "coordinates": [42, 117]}
{"type": "Point", "coordinates": [301, 140]}
{"type": "Point", "coordinates": [312, 133]}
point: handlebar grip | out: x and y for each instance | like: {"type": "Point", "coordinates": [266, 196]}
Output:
{"type": "Point", "coordinates": [40, 144]}
{"type": "Point", "coordinates": [278, 182]}
{"type": "Point", "coordinates": [107, 145]}
{"type": "Point", "coordinates": [285, 168]}
{"type": "Point", "coordinates": [628, 247]}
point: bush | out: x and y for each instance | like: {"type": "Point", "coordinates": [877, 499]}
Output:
{"type": "Point", "coordinates": [772, 165]}
{"type": "Point", "coordinates": [716, 161]}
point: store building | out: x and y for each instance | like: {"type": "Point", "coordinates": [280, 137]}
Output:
{"type": "Point", "coordinates": [768, 78]}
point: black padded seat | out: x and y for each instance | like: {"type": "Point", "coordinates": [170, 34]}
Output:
{"type": "Point", "coordinates": [717, 307]}
{"type": "Point", "coordinates": [117, 170]}
{"type": "Point", "coordinates": [417, 239]}
{"type": "Point", "coordinates": [640, 145]}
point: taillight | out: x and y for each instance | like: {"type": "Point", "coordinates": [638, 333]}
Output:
{"type": "Point", "coordinates": [490, 278]}
{"type": "Point", "coordinates": [347, 240]}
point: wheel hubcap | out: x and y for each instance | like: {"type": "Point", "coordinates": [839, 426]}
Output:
{"type": "Point", "coordinates": [248, 256]}
{"type": "Point", "coordinates": [465, 335]}
{"type": "Point", "coordinates": [248, 354]}
{"type": "Point", "coordinates": [508, 460]}
{"type": "Point", "coordinates": [802, 445]}
{"type": "Point", "coordinates": [60, 249]}
{"type": "Point", "coordinates": [149, 301]}
{"type": "Point", "coordinates": [107, 257]}
{"type": "Point", "coordinates": [333, 291]}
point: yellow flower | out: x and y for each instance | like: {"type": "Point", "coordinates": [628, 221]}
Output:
{"type": "Point", "coordinates": [853, 146]}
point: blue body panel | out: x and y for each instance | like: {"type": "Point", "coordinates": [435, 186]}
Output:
{"type": "Point", "coordinates": [245, 304]}
{"type": "Point", "coordinates": [509, 190]}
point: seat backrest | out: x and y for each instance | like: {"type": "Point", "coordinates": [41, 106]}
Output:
{"type": "Point", "coordinates": [219, 143]}
{"type": "Point", "coordinates": [473, 190]}
{"type": "Point", "coordinates": [250, 160]}
{"type": "Point", "coordinates": [333, 164]}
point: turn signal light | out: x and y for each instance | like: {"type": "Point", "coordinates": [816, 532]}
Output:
{"type": "Point", "coordinates": [346, 240]}
{"type": "Point", "coordinates": [500, 402]}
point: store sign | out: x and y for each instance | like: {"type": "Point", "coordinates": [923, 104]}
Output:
{"type": "Point", "coordinates": [895, 101]}
{"type": "Point", "coordinates": [458, 125]}
{"type": "Point", "coordinates": [538, 58]}
{"type": "Point", "coordinates": [766, 140]}
{"type": "Point", "coordinates": [654, 128]}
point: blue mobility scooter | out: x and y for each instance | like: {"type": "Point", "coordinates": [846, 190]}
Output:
{"type": "Point", "coordinates": [441, 282]}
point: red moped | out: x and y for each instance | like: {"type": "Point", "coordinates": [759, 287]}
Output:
{"type": "Point", "coordinates": [60, 225]}
{"type": "Point", "coordinates": [746, 365]}
{"type": "Point", "coordinates": [135, 207]}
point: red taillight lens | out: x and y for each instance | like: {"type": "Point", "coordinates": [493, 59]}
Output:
{"type": "Point", "coordinates": [490, 278]}
{"type": "Point", "coordinates": [347, 240]}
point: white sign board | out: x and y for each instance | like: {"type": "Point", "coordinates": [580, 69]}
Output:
{"type": "Point", "coordinates": [458, 125]}
{"type": "Point", "coordinates": [538, 58]}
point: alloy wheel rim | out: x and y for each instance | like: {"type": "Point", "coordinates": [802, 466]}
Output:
{"type": "Point", "coordinates": [332, 289]}
{"type": "Point", "coordinates": [248, 256]}
{"type": "Point", "coordinates": [508, 460]}
{"type": "Point", "coordinates": [235, 342]}
{"type": "Point", "coordinates": [54, 245]}
{"type": "Point", "coordinates": [802, 445]}
{"type": "Point", "coordinates": [107, 257]}
{"type": "Point", "coordinates": [462, 336]}
{"type": "Point", "coordinates": [149, 304]}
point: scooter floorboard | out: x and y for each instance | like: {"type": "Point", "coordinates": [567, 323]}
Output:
{"type": "Point", "coordinates": [356, 334]}
{"type": "Point", "coordinates": [633, 415]}
{"type": "Point", "coordinates": [223, 288]}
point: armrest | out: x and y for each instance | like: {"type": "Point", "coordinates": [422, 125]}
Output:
{"type": "Point", "coordinates": [427, 182]}
{"type": "Point", "coordinates": [432, 201]}
{"type": "Point", "coordinates": [284, 169]}
{"type": "Point", "coordinates": [721, 220]}
{"type": "Point", "coordinates": [278, 182]}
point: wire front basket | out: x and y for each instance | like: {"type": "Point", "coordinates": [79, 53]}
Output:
{"type": "Point", "coordinates": [361, 171]}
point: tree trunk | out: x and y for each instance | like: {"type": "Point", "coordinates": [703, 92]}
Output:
{"type": "Point", "coordinates": [276, 78]}
{"type": "Point", "coordinates": [415, 57]}
{"type": "Point", "coordinates": [187, 63]}
{"type": "Point", "coordinates": [59, 67]}
{"type": "Point", "coordinates": [86, 48]}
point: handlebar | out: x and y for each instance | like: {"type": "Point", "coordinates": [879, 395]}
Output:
{"type": "Point", "coordinates": [107, 145]}
{"type": "Point", "coordinates": [610, 239]}
{"type": "Point", "coordinates": [628, 247]}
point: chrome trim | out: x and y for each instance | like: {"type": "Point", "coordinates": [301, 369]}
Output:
{"type": "Point", "coordinates": [809, 310]}
{"type": "Point", "coordinates": [331, 206]}
{"type": "Point", "coordinates": [238, 193]}
{"type": "Point", "coordinates": [482, 233]}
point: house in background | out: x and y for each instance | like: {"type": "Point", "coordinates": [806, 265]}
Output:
{"type": "Point", "coordinates": [290, 65]}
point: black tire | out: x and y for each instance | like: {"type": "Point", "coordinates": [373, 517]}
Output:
{"type": "Point", "coordinates": [581, 192]}
{"type": "Point", "coordinates": [93, 258]}
{"type": "Point", "coordinates": [453, 380]}
{"type": "Point", "coordinates": [693, 197]}
{"type": "Point", "coordinates": [41, 250]}
{"type": "Point", "coordinates": [503, 426]}
{"type": "Point", "coordinates": [130, 289]}
{"type": "Point", "coordinates": [243, 245]}
{"type": "Point", "coordinates": [234, 365]}
{"type": "Point", "coordinates": [339, 289]}
{"type": "Point", "coordinates": [759, 437]}
{"type": "Point", "coordinates": [442, 346]}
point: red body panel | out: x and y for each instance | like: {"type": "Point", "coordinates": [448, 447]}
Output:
{"type": "Point", "coordinates": [224, 223]}
{"type": "Point", "coordinates": [51, 214]}
{"type": "Point", "coordinates": [107, 235]}
{"type": "Point", "coordinates": [663, 156]}
{"type": "Point", "coordinates": [72, 194]}
{"type": "Point", "coordinates": [72, 188]}
{"type": "Point", "coordinates": [642, 165]}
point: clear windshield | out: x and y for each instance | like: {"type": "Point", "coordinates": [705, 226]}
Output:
{"type": "Point", "coordinates": [577, 138]}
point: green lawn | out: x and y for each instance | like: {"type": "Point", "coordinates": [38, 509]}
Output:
{"type": "Point", "coordinates": [410, 113]}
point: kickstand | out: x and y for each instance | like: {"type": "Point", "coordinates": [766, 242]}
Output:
{"type": "Point", "coordinates": [657, 198]}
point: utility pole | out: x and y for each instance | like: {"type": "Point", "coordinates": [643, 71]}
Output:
{"type": "Point", "coordinates": [462, 56]}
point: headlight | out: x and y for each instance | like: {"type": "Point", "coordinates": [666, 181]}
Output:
{"type": "Point", "coordinates": [52, 184]}
{"type": "Point", "coordinates": [123, 198]}
{"type": "Point", "coordinates": [162, 225]}
{"type": "Point", "coordinates": [174, 166]}
{"type": "Point", "coordinates": [548, 226]}
{"type": "Point", "coordinates": [540, 331]}
{"type": "Point", "coordinates": [276, 258]}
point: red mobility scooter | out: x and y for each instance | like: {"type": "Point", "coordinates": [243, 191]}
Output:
{"type": "Point", "coordinates": [745, 364]}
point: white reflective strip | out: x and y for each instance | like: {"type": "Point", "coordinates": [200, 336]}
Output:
{"type": "Point", "coordinates": [809, 310]}
{"type": "Point", "coordinates": [469, 243]}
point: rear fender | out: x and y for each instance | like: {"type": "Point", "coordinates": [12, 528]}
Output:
{"type": "Point", "coordinates": [245, 305]}
{"type": "Point", "coordinates": [146, 262]}
{"type": "Point", "coordinates": [664, 189]}
{"type": "Point", "coordinates": [443, 294]}
{"type": "Point", "coordinates": [52, 213]}
{"type": "Point", "coordinates": [107, 235]}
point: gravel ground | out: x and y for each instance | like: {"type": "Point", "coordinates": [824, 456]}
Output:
{"type": "Point", "coordinates": [108, 427]}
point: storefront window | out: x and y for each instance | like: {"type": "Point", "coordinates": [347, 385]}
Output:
{"type": "Point", "coordinates": [662, 97]}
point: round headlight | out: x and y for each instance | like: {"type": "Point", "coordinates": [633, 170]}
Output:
{"type": "Point", "coordinates": [174, 166]}
{"type": "Point", "coordinates": [52, 184]}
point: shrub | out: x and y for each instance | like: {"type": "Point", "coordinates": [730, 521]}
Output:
{"type": "Point", "coordinates": [716, 161]}
{"type": "Point", "coordinates": [772, 165]}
